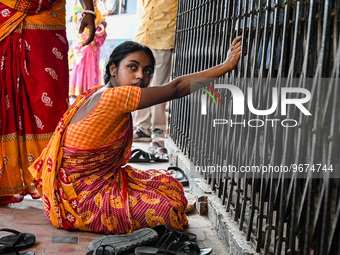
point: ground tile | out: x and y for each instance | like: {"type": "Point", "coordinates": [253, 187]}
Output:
{"type": "Point", "coordinates": [56, 248]}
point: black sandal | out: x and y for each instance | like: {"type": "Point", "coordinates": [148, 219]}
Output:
{"type": "Point", "coordinates": [18, 253]}
{"type": "Point", "coordinates": [171, 244]}
{"type": "Point", "coordinates": [17, 242]}
{"type": "Point", "coordinates": [161, 155]}
{"type": "Point", "coordinates": [182, 236]}
{"type": "Point", "coordinates": [125, 242]}
{"type": "Point", "coordinates": [101, 250]}
{"type": "Point", "coordinates": [179, 175]}
{"type": "Point", "coordinates": [140, 156]}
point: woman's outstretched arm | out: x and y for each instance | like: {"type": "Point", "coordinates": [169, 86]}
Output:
{"type": "Point", "coordinates": [180, 86]}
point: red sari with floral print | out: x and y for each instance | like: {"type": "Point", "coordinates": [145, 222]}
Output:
{"type": "Point", "coordinates": [85, 182]}
{"type": "Point", "coordinates": [33, 88]}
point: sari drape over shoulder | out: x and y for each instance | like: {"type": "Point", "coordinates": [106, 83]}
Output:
{"type": "Point", "coordinates": [33, 87]}
{"type": "Point", "coordinates": [84, 180]}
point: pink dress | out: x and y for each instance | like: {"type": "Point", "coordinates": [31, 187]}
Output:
{"type": "Point", "coordinates": [85, 72]}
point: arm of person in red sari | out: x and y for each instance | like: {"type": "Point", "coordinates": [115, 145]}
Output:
{"type": "Point", "coordinates": [180, 86]}
{"type": "Point", "coordinates": [88, 21]}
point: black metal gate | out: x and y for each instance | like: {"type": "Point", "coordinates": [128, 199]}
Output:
{"type": "Point", "coordinates": [288, 44]}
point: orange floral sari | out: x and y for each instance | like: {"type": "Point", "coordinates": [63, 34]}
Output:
{"type": "Point", "coordinates": [84, 180]}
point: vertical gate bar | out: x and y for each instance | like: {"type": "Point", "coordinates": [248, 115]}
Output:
{"type": "Point", "coordinates": [217, 176]}
{"type": "Point", "coordinates": [232, 145]}
{"type": "Point", "coordinates": [178, 66]}
{"type": "Point", "coordinates": [267, 139]}
{"type": "Point", "coordinates": [259, 90]}
{"type": "Point", "coordinates": [185, 100]}
{"type": "Point", "coordinates": [286, 158]}
{"type": "Point", "coordinates": [276, 150]}
{"type": "Point", "coordinates": [325, 214]}
{"type": "Point", "coordinates": [285, 33]}
{"type": "Point", "coordinates": [327, 235]}
{"type": "Point", "coordinates": [267, 182]}
{"type": "Point", "coordinates": [249, 38]}
{"type": "Point", "coordinates": [316, 131]}
{"type": "Point", "coordinates": [332, 138]}
{"type": "Point", "coordinates": [254, 180]}
{"type": "Point", "coordinates": [185, 120]}
{"type": "Point", "coordinates": [208, 144]}
{"type": "Point", "coordinates": [185, 70]}
{"type": "Point", "coordinates": [249, 137]}
{"type": "Point", "coordinates": [242, 21]}
{"type": "Point", "coordinates": [228, 22]}
{"type": "Point", "coordinates": [246, 29]}
{"type": "Point", "coordinates": [199, 31]}
{"type": "Point", "coordinates": [301, 130]}
{"type": "Point", "coordinates": [199, 68]}
{"type": "Point", "coordinates": [214, 154]}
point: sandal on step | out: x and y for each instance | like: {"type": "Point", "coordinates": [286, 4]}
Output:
{"type": "Point", "coordinates": [161, 155]}
{"type": "Point", "coordinates": [125, 242]}
{"type": "Point", "coordinates": [182, 236]}
{"type": "Point", "coordinates": [102, 250]}
{"type": "Point", "coordinates": [153, 146]}
{"type": "Point", "coordinates": [170, 244]}
{"type": "Point", "coordinates": [179, 175]}
{"type": "Point", "coordinates": [140, 156]}
{"type": "Point", "coordinates": [17, 242]}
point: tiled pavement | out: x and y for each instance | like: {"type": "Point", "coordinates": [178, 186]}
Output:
{"type": "Point", "coordinates": [28, 216]}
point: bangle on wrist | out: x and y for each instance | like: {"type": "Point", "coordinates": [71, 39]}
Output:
{"type": "Point", "coordinates": [89, 12]}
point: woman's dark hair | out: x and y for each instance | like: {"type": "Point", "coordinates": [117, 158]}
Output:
{"type": "Point", "coordinates": [121, 51]}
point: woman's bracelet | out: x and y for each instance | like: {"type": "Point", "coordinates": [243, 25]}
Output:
{"type": "Point", "coordinates": [89, 12]}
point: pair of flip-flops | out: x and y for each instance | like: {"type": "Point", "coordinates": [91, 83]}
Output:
{"type": "Point", "coordinates": [15, 242]}
{"type": "Point", "coordinates": [140, 156]}
{"type": "Point", "coordinates": [179, 175]}
{"type": "Point", "coordinates": [159, 239]}
{"type": "Point", "coordinates": [117, 244]}
{"type": "Point", "coordinates": [173, 242]}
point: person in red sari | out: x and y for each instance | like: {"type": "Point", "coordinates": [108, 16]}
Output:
{"type": "Point", "coordinates": [33, 86]}
{"type": "Point", "coordinates": [83, 175]}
